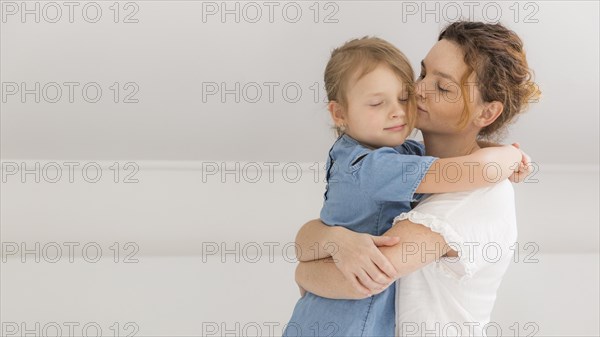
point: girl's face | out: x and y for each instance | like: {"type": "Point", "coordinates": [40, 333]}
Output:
{"type": "Point", "coordinates": [376, 111]}
{"type": "Point", "coordinates": [439, 98]}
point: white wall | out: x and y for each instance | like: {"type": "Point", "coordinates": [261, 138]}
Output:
{"type": "Point", "coordinates": [202, 248]}
{"type": "Point", "coordinates": [170, 53]}
{"type": "Point", "coordinates": [164, 222]}
{"type": "Point", "coordinates": [186, 296]}
{"type": "Point", "coordinates": [174, 206]}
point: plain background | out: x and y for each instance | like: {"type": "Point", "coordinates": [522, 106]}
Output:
{"type": "Point", "coordinates": [200, 103]}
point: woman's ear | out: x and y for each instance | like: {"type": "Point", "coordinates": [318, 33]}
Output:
{"type": "Point", "coordinates": [337, 113]}
{"type": "Point", "coordinates": [491, 111]}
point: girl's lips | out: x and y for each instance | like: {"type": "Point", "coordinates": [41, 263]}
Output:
{"type": "Point", "coordinates": [396, 128]}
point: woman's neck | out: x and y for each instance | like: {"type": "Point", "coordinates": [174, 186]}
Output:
{"type": "Point", "coordinates": [446, 146]}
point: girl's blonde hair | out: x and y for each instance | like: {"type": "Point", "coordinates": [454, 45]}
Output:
{"type": "Point", "coordinates": [358, 57]}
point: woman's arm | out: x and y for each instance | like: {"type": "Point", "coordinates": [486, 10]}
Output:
{"type": "Point", "coordinates": [482, 168]}
{"type": "Point", "coordinates": [354, 254]}
{"type": "Point", "coordinates": [323, 278]}
{"type": "Point", "coordinates": [315, 240]}
{"type": "Point", "coordinates": [418, 247]}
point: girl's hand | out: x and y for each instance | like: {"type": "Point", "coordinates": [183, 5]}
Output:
{"type": "Point", "coordinates": [358, 258]}
{"type": "Point", "coordinates": [525, 167]}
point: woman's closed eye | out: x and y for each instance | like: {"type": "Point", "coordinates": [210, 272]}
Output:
{"type": "Point", "coordinates": [440, 88]}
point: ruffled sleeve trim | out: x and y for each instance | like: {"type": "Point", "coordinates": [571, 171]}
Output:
{"type": "Point", "coordinates": [455, 240]}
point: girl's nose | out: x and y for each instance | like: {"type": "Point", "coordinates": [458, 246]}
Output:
{"type": "Point", "coordinates": [397, 111]}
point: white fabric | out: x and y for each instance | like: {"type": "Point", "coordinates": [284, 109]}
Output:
{"type": "Point", "coordinates": [455, 296]}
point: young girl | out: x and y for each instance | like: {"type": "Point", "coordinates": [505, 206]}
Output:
{"type": "Point", "coordinates": [373, 174]}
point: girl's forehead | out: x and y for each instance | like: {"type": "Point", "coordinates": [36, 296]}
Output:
{"type": "Point", "coordinates": [381, 76]}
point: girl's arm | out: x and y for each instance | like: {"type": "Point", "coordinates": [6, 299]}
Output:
{"type": "Point", "coordinates": [525, 168]}
{"type": "Point", "coordinates": [483, 168]}
{"type": "Point", "coordinates": [418, 247]}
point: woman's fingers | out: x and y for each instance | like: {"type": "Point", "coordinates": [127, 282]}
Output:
{"type": "Point", "coordinates": [380, 279]}
{"type": "Point", "coordinates": [380, 260]}
{"type": "Point", "coordinates": [364, 265]}
{"type": "Point", "coordinates": [385, 240]}
{"type": "Point", "coordinates": [387, 268]}
{"type": "Point", "coordinates": [381, 282]}
{"type": "Point", "coordinates": [358, 286]}
{"type": "Point", "coordinates": [367, 281]}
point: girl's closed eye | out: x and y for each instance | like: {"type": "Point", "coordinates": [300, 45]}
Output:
{"type": "Point", "coordinates": [375, 104]}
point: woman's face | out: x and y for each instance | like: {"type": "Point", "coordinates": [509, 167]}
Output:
{"type": "Point", "coordinates": [439, 98]}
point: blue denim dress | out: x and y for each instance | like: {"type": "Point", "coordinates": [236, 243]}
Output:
{"type": "Point", "coordinates": [366, 189]}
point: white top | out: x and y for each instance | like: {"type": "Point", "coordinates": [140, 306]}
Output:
{"type": "Point", "coordinates": [454, 296]}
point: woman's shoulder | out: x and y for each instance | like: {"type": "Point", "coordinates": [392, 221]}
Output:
{"type": "Point", "coordinates": [500, 191]}
{"type": "Point", "coordinates": [477, 207]}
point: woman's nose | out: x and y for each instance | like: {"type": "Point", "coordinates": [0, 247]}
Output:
{"type": "Point", "coordinates": [419, 88]}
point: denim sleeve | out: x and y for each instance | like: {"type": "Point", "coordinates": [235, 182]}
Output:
{"type": "Point", "coordinates": [414, 147]}
{"type": "Point", "coordinates": [386, 175]}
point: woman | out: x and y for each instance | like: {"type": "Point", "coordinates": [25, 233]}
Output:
{"type": "Point", "coordinates": [474, 81]}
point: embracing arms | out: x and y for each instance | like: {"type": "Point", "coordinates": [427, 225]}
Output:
{"type": "Point", "coordinates": [482, 168]}
{"type": "Point", "coordinates": [417, 247]}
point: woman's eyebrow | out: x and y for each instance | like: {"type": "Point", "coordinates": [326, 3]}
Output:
{"type": "Point", "coordinates": [440, 74]}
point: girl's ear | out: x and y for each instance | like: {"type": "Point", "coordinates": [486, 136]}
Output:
{"type": "Point", "coordinates": [491, 111]}
{"type": "Point", "coordinates": [337, 113]}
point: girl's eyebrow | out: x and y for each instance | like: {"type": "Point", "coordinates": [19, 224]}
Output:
{"type": "Point", "coordinates": [440, 74]}
{"type": "Point", "coordinates": [381, 93]}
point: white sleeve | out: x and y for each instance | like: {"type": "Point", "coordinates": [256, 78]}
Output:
{"type": "Point", "coordinates": [469, 222]}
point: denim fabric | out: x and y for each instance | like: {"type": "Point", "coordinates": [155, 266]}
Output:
{"type": "Point", "coordinates": [366, 189]}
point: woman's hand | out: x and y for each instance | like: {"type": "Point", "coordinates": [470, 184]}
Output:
{"type": "Point", "coordinates": [525, 167]}
{"type": "Point", "coordinates": [302, 291]}
{"type": "Point", "coordinates": [362, 263]}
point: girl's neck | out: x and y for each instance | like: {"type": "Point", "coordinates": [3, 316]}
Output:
{"type": "Point", "coordinates": [446, 146]}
